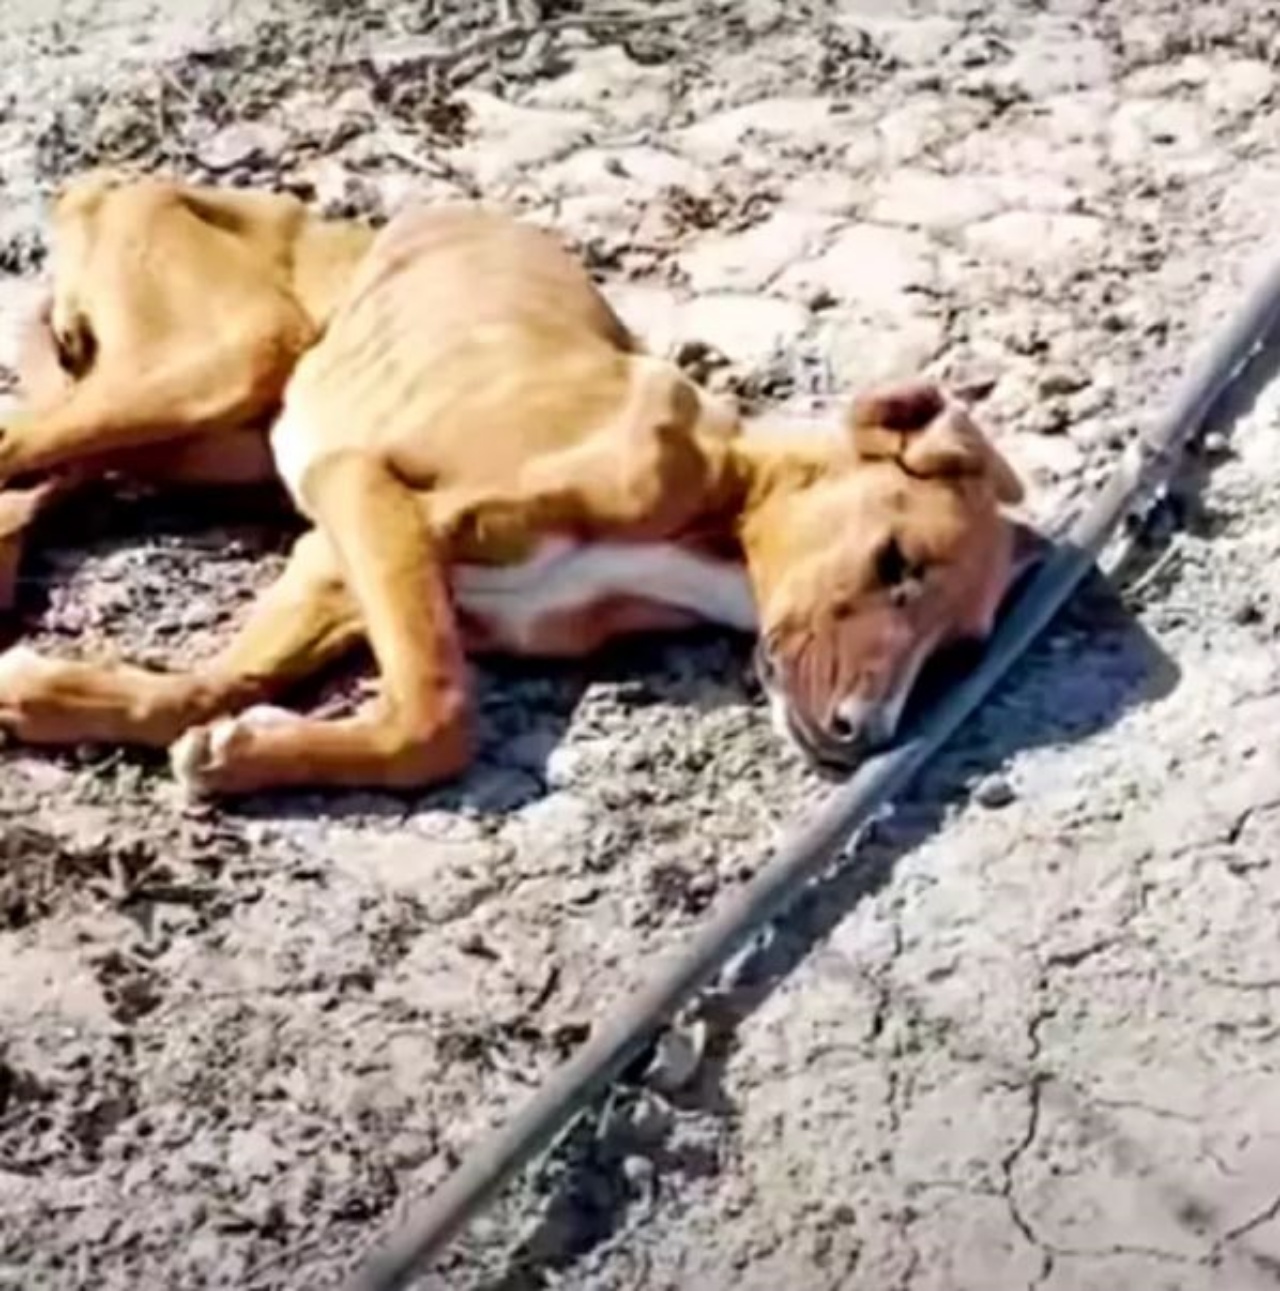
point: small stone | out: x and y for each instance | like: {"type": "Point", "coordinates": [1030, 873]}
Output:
{"type": "Point", "coordinates": [1043, 453]}
{"type": "Point", "coordinates": [924, 122]}
{"type": "Point", "coordinates": [563, 766]}
{"type": "Point", "coordinates": [635, 93]}
{"type": "Point", "coordinates": [505, 138]}
{"type": "Point", "coordinates": [829, 192]}
{"type": "Point", "coordinates": [639, 1172]}
{"type": "Point", "coordinates": [866, 350]}
{"type": "Point", "coordinates": [994, 792]}
{"type": "Point", "coordinates": [243, 145]}
{"type": "Point", "coordinates": [677, 1057]}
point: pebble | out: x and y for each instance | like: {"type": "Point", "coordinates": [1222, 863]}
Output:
{"type": "Point", "coordinates": [677, 1057]}
{"type": "Point", "coordinates": [639, 1172]}
{"type": "Point", "coordinates": [253, 144]}
{"type": "Point", "coordinates": [994, 792]}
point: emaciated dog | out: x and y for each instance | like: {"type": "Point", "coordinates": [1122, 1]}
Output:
{"type": "Point", "coordinates": [490, 462]}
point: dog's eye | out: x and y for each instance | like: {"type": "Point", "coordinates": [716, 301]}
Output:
{"type": "Point", "coordinates": [892, 567]}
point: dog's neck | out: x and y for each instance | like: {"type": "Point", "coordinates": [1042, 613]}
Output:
{"type": "Point", "coordinates": [763, 468]}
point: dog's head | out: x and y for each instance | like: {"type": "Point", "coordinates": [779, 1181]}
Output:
{"type": "Point", "coordinates": [863, 568]}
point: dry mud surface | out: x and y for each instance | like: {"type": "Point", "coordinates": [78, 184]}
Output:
{"type": "Point", "coordinates": [1032, 1041]}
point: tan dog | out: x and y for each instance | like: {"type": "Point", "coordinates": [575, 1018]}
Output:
{"type": "Point", "coordinates": [491, 463]}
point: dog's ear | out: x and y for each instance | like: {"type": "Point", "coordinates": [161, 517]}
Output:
{"type": "Point", "coordinates": [932, 437]}
{"type": "Point", "coordinates": [880, 420]}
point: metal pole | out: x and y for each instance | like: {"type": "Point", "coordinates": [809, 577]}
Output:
{"type": "Point", "coordinates": [1145, 467]}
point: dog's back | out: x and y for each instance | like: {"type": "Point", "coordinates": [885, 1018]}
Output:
{"type": "Point", "coordinates": [470, 343]}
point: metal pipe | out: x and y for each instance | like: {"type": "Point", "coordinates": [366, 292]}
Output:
{"type": "Point", "coordinates": [1145, 467]}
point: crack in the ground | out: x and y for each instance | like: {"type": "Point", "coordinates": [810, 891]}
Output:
{"type": "Point", "coordinates": [1078, 955]}
{"type": "Point", "coordinates": [1264, 1216]}
{"type": "Point", "coordinates": [1009, 1162]}
{"type": "Point", "coordinates": [1254, 986]}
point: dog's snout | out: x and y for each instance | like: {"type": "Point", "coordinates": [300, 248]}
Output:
{"type": "Point", "coordinates": [851, 721]}
{"type": "Point", "coordinates": [843, 729]}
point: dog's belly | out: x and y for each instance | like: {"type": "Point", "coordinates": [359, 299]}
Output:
{"type": "Point", "coordinates": [570, 598]}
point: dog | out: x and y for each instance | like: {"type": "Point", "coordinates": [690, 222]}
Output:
{"type": "Point", "coordinates": [489, 462]}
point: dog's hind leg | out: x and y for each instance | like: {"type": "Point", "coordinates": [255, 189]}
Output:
{"type": "Point", "coordinates": [172, 330]}
{"type": "Point", "coordinates": [301, 623]}
{"type": "Point", "coordinates": [418, 729]}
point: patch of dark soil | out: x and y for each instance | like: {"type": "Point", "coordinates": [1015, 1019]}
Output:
{"type": "Point", "coordinates": [42, 873]}
{"type": "Point", "coordinates": [61, 1117]}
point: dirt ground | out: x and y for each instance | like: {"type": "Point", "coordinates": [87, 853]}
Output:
{"type": "Point", "coordinates": [1029, 1041]}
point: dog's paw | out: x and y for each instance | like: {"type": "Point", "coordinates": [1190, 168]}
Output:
{"type": "Point", "coordinates": [17, 664]}
{"type": "Point", "coordinates": [203, 759]}
{"type": "Point", "coordinates": [24, 673]}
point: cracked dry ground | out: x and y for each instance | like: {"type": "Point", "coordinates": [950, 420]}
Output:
{"type": "Point", "coordinates": [1031, 1044]}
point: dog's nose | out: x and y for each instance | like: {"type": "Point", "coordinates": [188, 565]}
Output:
{"type": "Point", "coordinates": [844, 730]}
{"type": "Point", "coordinates": [850, 723]}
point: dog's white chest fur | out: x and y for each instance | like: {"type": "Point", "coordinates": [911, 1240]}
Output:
{"type": "Point", "coordinates": [565, 577]}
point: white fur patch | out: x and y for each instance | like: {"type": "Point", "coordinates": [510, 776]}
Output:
{"type": "Point", "coordinates": [292, 450]}
{"type": "Point", "coordinates": [200, 751]}
{"type": "Point", "coordinates": [18, 662]}
{"type": "Point", "coordinates": [564, 576]}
